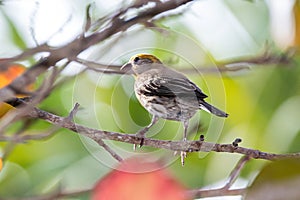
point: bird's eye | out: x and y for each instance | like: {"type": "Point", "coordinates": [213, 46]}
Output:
{"type": "Point", "coordinates": [136, 59]}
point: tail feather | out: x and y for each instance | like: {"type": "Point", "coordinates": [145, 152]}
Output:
{"type": "Point", "coordinates": [211, 109]}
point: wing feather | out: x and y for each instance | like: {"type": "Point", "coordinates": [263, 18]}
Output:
{"type": "Point", "coordinates": [173, 87]}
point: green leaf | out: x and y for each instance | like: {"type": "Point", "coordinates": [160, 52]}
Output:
{"type": "Point", "coordinates": [15, 35]}
{"type": "Point", "coordinates": [295, 147]}
{"type": "Point", "coordinates": [277, 180]}
{"type": "Point", "coordinates": [13, 180]}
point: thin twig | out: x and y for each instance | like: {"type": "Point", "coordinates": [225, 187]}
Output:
{"type": "Point", "coordinates": [109, 150]}
{"type": "Point", "coordinates": [56, 195]}
{"type": "Point", "coordinates": [236, 172]}
{"type": "Point", "coordinates": [10, 146]}
{"type": "Point", "coordinates": [32, 23]}
{"type": "Point", "coordinates": [107, 69]}
{"type": "Point", "coordinates": [220, 67]}
{"type": "Point", "coordinates": [88, 20]}
{"type": "Point", "coordinates": [225, 190]}
{"type": "Point", "coordinates": [73, 112]}
{"type": "Point", "coordinates": [99, 141]}
{"type": "Point", "coordinates": [216, 193]}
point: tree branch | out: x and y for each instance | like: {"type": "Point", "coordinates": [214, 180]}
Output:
{"type": "Point", "coordinates": [220, 67]}
{"type": "Point", "coordinates": [186, 146]}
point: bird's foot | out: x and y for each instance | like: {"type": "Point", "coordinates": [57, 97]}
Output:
{"type": "Point", "coordinates": [183, 155]}
{"type": "Point", "coordinates": [140, 134]}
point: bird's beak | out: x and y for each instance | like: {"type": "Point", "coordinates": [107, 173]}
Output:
{"type": "Point", "coordinates": [127, 68]}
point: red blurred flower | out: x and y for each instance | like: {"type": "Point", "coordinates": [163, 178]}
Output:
{"type": "Point", "coordinates": [135, 179]}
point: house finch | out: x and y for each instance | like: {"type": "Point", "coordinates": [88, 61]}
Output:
{"type": "Point", "coordinates": [166, 93]}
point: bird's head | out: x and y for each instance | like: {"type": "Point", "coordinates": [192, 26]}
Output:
{"type": "Point", "coordinates": [141, 63]}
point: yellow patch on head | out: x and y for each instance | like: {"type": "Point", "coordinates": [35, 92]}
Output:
{"type": "Point", "coordinates": [145, 56]}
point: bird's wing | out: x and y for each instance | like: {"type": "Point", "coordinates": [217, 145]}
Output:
{"type": "Point", "coordinates": [174, 87]}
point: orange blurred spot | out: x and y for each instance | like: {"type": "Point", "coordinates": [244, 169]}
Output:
{"type": "Point", "coordinates": [1, 164]}
{"type": "Point", "coordinates": [135, 180]}
{"type": "Point", "coordinates": [6, 77]}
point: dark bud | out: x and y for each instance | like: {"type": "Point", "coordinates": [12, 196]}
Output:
{"type": "Point", "coordinates": [236, 142]}
{"type": "Point", "coordinates": [201, 138]}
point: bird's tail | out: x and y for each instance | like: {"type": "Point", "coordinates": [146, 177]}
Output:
{"type": "Point", "coordinates": [211, 109]}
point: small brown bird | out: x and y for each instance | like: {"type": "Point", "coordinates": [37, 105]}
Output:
{"type": "Point", "coordinates": [166, 93]}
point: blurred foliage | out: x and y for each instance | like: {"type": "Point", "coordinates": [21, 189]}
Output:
{"type": "Point", "coordinates": [14, 34]}
{"type": "Point", "coordinates": [277, 180]}
{"type": "Point", "coordinates": [297, 22]}
{"type": "Point", "coordinates": [262, 102]}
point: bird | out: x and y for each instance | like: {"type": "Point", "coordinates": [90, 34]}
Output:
{"type": "Point", "coordinates": [166, 93]}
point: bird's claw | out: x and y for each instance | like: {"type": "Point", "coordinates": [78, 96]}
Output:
{"type": "Point", "coordinates": [139, 134]}
{"type": "Point", "coordinates": [182, 157]}
{"type": "Point", "coordinates": [140, 145]}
